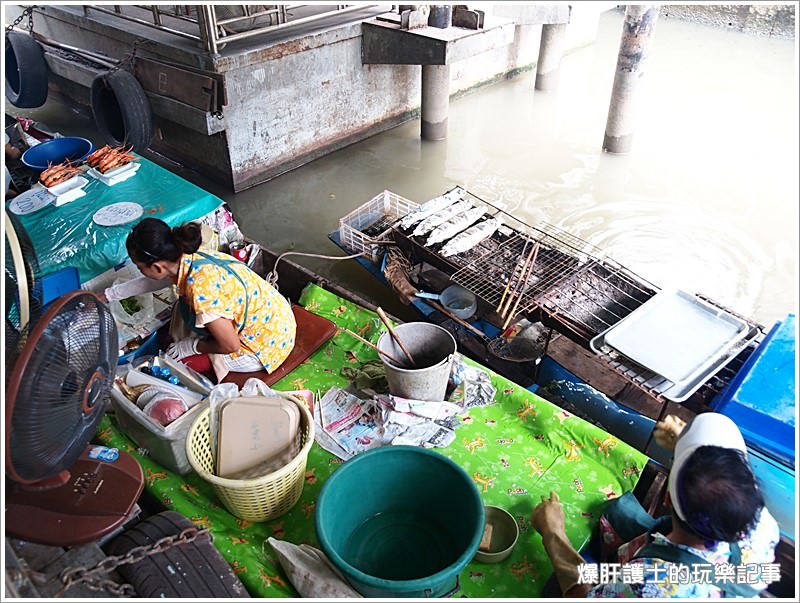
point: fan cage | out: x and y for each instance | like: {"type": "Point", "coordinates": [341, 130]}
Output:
{"type": "Point", "coordinates": [58, 388]}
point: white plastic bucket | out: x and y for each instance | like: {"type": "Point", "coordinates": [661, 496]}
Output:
{"type": "Point", "coordinates": [432, 348]}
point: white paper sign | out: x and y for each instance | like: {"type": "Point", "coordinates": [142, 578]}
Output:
{"type": "Point", "coordinates": [118, 213]}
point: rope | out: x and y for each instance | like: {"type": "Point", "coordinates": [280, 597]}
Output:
{"type": "Point", "coordinates": [272, 277]}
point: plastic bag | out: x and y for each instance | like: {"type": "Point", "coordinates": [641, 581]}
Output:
{"type": "Point", "coordinates": [135, 311]}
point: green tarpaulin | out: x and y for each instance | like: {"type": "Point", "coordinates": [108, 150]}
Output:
{"type": "Point", "coordinates": [516, 450]}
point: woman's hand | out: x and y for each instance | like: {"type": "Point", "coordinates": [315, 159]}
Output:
{"type": "Point", "coordinates": [183, 348]}
{"type": "Point", "coordinates": [548, 516]}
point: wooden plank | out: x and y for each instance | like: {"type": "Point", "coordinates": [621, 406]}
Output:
{"type": "Point", "coordinates": [189, 87]}
{"type": "Point", "coordinates": [595, 372]}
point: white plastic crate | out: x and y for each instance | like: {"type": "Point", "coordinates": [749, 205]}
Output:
{"type": "Point", "coordinates": [363, 228]}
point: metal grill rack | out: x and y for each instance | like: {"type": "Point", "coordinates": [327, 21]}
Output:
{"type": "Point", "coordinates": [572, 283]}
{"type": "Point", "coordinates": [569, 278]}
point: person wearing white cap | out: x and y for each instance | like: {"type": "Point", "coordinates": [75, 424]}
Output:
{"type": "Point", "coordinates": [715, 542]}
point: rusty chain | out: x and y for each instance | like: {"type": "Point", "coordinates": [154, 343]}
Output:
{"type": "Point", "coordinates": [28, 12]}
{"type": "Point", "coordinates": [91, 577]}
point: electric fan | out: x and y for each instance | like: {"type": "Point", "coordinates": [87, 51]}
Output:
{"type": "Point", "coordinates": [23, 290]}
{"type": "Point", "coordinates": [60, 490]}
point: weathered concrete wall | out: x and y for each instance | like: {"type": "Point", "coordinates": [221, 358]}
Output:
{"type": "Point", "coordinates": [773, 20]}
{"type": "Point", "coordinates": [290, 102]}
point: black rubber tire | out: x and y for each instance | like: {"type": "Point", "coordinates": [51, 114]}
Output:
{"type": "Point", "coordinates": [121, 110]}
{"type": "Point", "coordinates": [26, 71]}
{"type": "Point", "coordinates": [194, 569]}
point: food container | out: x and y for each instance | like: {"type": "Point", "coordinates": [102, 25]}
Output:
{"type": "Point", "coordinates": [238, 250]}
{"type": "Point", "coordinates": [165, 445]}
{"type": "Point", "coordinates": [115, 176]}
{"type": "Point", "coordinates": [459, 302]}
{"type": "Point", "coordinates": [57, 150]}
{"type": "Point", "coordinates": [501, 534]}
{"type": "Point", "coordinates": [69, 190]}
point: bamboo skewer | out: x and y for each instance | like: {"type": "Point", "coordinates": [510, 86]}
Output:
{"type": "Point", "coordinates": [524, 285]}
{"type": "Point", "coordinates": [455, 318]}
{"type": "Point", "coordinates": [393, 333]}
{"type": "Point", "coordinates": [374, 347]}
{"type": "Point", "coordinates": [503, 312]}
{"type": "Point", "coordinates": [512, 276]}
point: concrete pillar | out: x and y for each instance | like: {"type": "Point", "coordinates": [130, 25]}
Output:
{"type": "Point", "coordinates": [637, 36]}
{"type": "Point", "coordinates": [551, 49]}
{"type": "Point", "coordinates": [435, 101]}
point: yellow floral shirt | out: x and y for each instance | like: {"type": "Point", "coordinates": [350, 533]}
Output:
{"type": "Point", "coordinates": [268, 327]}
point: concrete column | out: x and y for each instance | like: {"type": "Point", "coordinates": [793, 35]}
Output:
{"type": "Point", "coordinates": [637, 36]}
{"type": "Point", "coordinates": [551, 49]}
{"type": "Point", "coordinates": [435, 101]}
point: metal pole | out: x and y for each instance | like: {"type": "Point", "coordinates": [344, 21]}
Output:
{"type": "Point", "coordinates": [637, 36]}
{"type": "Point", "coordinates": [551, 49]}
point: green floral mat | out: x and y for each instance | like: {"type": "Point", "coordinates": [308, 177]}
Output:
{"type": "Point", "coordinates": [516, 450]}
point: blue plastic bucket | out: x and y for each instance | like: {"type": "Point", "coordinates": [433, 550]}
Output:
{"type": "Point", "coordinates": [400, 521]}
{"type": "Point", "coordinates": [56, 151]}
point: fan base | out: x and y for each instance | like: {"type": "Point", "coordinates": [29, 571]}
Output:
{"type": "Point", "coordinates": [97, 498]}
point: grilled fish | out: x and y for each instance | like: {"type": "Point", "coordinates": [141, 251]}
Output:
{"type": "Point", "coordinates": [470, 237]}
{"type": "Point", "coordinates": [431, 207]}
{"type": "Point", "coordinates": [455, 225]}
{"type": "Point", "coordinates": [440, 217]}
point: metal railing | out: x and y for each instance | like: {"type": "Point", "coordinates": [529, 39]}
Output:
{"type": "Point", "coordinates": [213, 26]}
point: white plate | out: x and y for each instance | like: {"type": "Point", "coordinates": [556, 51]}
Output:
{"type": "Point", "coordinates": [68, 185]}
{"type": "Point", "coordinates": [30, 201]}
{"type": "Point", "coordinates": [118, 213]}
{"type": "Point", "coordinates": [119, 174]}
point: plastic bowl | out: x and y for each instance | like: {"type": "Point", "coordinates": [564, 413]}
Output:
{"type": "Point", "coordinates": [505, 533]}
{"type": "Point", "coordinates": [52, 152]}
{"type": "Point", "coordinates": [459, 302]}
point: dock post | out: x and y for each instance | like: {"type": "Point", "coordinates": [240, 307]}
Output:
{"type": "Point", "coordinates": [637, 35]}
{"type": "Point", "coordinates": [435, 101]}
{"type": "Point", "coordinates": [551, 49]}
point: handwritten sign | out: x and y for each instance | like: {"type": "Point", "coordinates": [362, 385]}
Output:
{"type": "Point", "coordinates": [117, 213]}
{"type": "Point", "coordinates": [30, 201]}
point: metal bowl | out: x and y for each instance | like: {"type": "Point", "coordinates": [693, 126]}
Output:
{"type": "Point", "coordinates": [57, 150]}
{"type": "Point", "coordinates": [505, 533]}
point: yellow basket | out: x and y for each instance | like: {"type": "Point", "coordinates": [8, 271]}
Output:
{"type": "Point", "coordinates": [261, 498]}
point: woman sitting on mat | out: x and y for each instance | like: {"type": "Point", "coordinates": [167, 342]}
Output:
{"type": "Point", "coordinates": [241, 323]}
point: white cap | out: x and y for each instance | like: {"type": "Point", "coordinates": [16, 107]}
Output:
{"type": "Point", "coordinates": [706, 429]}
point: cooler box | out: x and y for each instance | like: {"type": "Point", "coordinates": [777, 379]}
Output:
{"type": "Point", "coordinates": [761, 397]}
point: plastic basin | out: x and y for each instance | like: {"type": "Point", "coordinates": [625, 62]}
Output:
{"type": "Point", "coordinates": [400, 521]}
{"type": "Point", "coordinates": [459, 302]}
{"type": "Point", "coordinates": [505, 532]}
{"type": "Point", "coordinates": [55, 151]}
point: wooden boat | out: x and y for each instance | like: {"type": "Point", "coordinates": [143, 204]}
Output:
{"type": "Point", "coordinates": [564, 358]}
{"type": "Point", "coordinates": [576, 296]}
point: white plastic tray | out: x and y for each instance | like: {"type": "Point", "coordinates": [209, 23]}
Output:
{"type": "Point", "coordinates": [676, 335]}
{"type": "Point", "coordinates": [112, 177]}
{"type": "Point", "coordinates": [680, 392]}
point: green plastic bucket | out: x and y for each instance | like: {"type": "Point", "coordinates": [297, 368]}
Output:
{"type": "Point", "coordinates": [400, 521]}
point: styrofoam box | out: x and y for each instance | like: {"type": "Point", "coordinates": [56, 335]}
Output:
{"type": "Point", "coordinates": [165, 445]}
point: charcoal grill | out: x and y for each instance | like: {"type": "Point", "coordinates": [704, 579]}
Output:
{"type": "Point", "coordinates": [572, 283]}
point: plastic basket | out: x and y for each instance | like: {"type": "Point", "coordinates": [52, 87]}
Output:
{"type": "Point", "coordinates": [258, 499]}
{"type": "Point", "coordinates": [363, 228]}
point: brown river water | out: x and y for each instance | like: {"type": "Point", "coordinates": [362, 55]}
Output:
{"type": "Point", "coordinates": [706, 201]}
